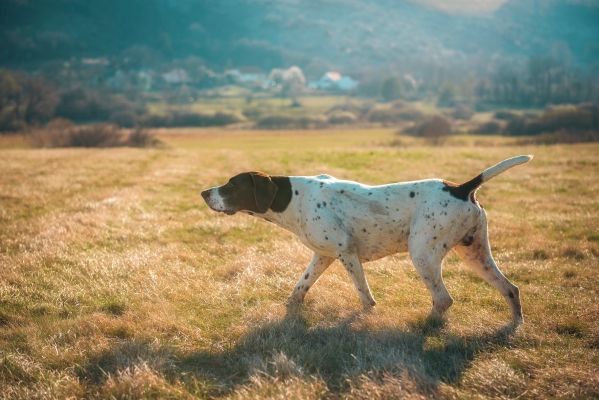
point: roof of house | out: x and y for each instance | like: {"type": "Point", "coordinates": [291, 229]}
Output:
{"type": "Point", "coordinates": [334, 76]}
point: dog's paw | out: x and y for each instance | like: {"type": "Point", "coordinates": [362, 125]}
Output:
{"type": "Point", "coordinates": [517, 321]}
{"type": "Point", "coordinates": [369, 305]}
{"type": "Point", "coordinates": [294, 301]}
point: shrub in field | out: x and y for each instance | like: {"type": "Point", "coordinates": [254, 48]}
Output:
{"type": "Point", "coordinates": [431, 127]}
{"type": "Point", "coordinates": [97, 135]}
{"type": "Point", "coordinates": [310, 122]}
{"type": "Point", "coordinates": [386, 115]}
{"type": "Point", "coordinates": [61, 133]}
{"type": "Point", "coordinates": [554, 119]}
{"type": "Point", "coordinates": [488, 128]}
{"type": "Point", "coordinates": [391, 88]}
{"type": "Point", "coordinates": [60, 123]}
{"type": "Point", "coordinates": [142, 138]}
{"type": "Point", "coordinates": [191, 119]}
{"type": "Point", "coordinates": [9, 123]}
{"type": "Point", "coordinates": [462, 111]}
{"type": "Point", "coordinates": [286, 122]}
{"type": "Point", "coordinates": [222, 118]}
{"type": "Point", "coordinates": [400, 104]}
{"type": "Point", "coordinates": [252, 113]}
{"type": "Point", "coordinates": [505, 115]}
{"type": "Point", "coordinates": [341, 118]}
{"type": "Point", "coordinates": [82, 104]}
{"type": "Point", "coordinates": [518, 126]}
{"type": "Point", "coordinates": [351, 106]}
{"type": "Point", "coordinates": [448, 94]}
{"type": "Point", "coordinates": [124, 118]}
{"type": "Point", "coordinates": [275, 122]}
{"type": "Point", "coordinates": [563, 136]}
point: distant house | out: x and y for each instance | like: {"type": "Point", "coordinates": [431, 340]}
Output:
{"type": "Point", "coordinates": [176, 76]}
{"type": "Point", "coordinates": [333, 80]}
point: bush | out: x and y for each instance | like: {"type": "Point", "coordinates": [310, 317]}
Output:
{"type": "Point", "coordinates": [505, 115]}
{"type": "Point", "coordinates": [386, 115]}
{"type": "Point", "coordinates": [286, 122]}
{"type": "Point", "coordinates": [60, 124]}
{"type": "Point", "coordinates": [98, 135]}
{"type": "Point", "coordinates": [554, 119]}
{"type": "Point", "coordinates": [191, 119]}
{"type": "Point", "coordinates": [252, 113]}
{"type": "Point", "coordinates": [142, 138]}
{"type": "Point", "coordinates": [430, 127]}
{"type": "Point", "coordinates": [488, 128]}
{"type": "Point", "coordinates": [349, 106]}
{"type": "Point", "coordinates": [391, 88]}
{"type": "Point", "coordinates": [124, 119]}
{"type": "Point", "coordinates": [310, 122]}
{"type": "Point", "coordinates": [81, 104]}
{"type": "Point", "coordinates": [342, 118]}
{"type": "Point", "coordinates": [448, 94]}
{"type": "Point", "coordinates": [222, 118]}
{"type": "Point", "coordinates": [562, 137]}
{"type": "Point", "coordinates": [462, 111]}
{"type": "Point", "coordinates": [8, 122]}
{"type": "Point", "coordinates": [400, 104]}
{"type": "Point", "coordinates": [275, 122]}
{"type": "Point", "coordinates": [61, 133]}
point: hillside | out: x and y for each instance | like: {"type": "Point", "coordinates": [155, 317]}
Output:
{"type": "Point", "coordinates": [347, 34]}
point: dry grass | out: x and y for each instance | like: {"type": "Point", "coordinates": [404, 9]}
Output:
{"type": "Point", "coordinates": [118, 282]}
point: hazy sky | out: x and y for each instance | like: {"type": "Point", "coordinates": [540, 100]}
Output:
{"type": "Point", "coordinates": [468, 6]}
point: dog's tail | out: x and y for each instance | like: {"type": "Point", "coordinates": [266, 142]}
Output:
{"type": "Point", "coordinates": [504, 166]}
{"type": "Point", "coordinates": [466, 190]}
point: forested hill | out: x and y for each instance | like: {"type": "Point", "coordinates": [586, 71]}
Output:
{"type": "Point", "coordinates": [267, 33]}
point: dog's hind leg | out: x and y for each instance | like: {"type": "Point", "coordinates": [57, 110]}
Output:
{"type": "Point", "coordinates": [477, 255]}
{"type": "Point", "coordinates": [317, 266]}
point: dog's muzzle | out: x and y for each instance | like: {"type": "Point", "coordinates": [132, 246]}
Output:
{"type": "Point", "coordinates": [214, 203]}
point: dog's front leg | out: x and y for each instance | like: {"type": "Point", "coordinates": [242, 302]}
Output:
{"type": "Point", "coordinates": [351, 262]}
{"type": "Point", "coordinates": [317, 266]}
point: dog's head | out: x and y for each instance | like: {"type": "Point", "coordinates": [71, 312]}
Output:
{"type": "Point", "coordinates": [248, 191]}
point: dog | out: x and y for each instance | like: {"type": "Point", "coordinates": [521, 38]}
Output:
{"type": "Point", "coordinates": [356, 223]}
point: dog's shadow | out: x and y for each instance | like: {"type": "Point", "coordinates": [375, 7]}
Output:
{"type": "Point", "coordinates": [334, 352]}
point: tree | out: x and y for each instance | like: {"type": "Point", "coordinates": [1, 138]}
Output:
{"type": "Point", "coordinates": [40, 100]}
{"type": "Point", "coordinates": [448, 94]}
{"type": "Point", "coordinates": [391, 88]}
{"type": "Point", "coordinates": [293, 82]}
{"type": "Point", "coordinates": [10, 89]}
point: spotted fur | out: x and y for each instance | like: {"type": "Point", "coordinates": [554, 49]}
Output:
{"type": "Point", "coordinates": [356, 223]}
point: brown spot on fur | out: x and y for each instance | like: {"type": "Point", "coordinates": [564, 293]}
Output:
{"type": "Point", "coordinates": [465, 191]}
{"type": "Point", "coordinates": [283, 195]}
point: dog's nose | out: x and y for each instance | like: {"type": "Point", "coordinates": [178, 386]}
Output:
{"type": "Point", "coordinates": [206, 194]}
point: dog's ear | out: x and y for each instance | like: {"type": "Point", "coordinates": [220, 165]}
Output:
{"type": "Point", "coordinates": [264, 190]}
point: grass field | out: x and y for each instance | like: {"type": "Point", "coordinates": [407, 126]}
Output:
{"type": "Point", "coordinates": [267, 105]}
{"type": "Point", "coordinates": [117, 281]}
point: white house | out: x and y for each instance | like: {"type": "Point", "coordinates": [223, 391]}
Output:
{"type": "Point", "coordinates": [334, 80]}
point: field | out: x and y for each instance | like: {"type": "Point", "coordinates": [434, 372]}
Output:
{"type": "Point", "coordinates": [118, 282]}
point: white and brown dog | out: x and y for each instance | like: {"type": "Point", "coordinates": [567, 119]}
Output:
{"type": "Point", "coordinates": [356, 223]}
